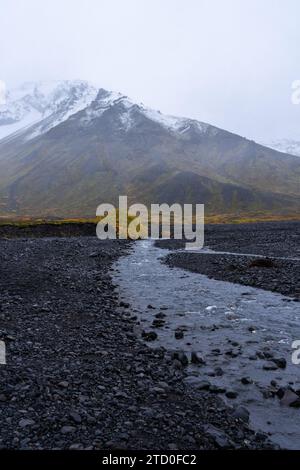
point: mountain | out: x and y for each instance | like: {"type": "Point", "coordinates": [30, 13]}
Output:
{"type": "Point", "coordinates": [289, 146]}
{"type": "Point", "coordinates": [50, 102]}
{"type": "Point", "coordinates": [84, 153]}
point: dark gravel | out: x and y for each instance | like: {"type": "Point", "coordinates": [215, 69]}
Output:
{"type": "Point", "coordinates": [270, 240]}
{"type": "Point", "coordinates": [77, 376]}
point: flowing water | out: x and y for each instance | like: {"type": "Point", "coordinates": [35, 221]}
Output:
{"type": "Point", "coordinates": [227, 324]}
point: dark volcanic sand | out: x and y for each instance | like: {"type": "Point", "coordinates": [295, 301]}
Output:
{"type": "Point", "coordinates": [273, 240]}
{"type": "Point", "coordinates": [77, 376]}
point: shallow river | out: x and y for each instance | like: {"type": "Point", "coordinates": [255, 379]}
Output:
{"type": "Point", "coordinates": [215, 315]}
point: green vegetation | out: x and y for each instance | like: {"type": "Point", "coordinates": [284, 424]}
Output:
{"type": "Point", "coordinates": [209, 219]}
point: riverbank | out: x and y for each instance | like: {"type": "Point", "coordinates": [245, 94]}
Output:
{"type": "Point", "coordinates": [78, 377]}
{"type": "Point", "coordinates": [236, 341]}
{"type": "Point", "coordinates": [276, 244]}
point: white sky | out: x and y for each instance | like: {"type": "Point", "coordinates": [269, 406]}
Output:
{"type": "Point", "coordinates": [227, 62]}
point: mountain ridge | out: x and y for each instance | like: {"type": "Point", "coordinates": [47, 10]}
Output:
{"type": "Point", "coordinates": [115, 146]}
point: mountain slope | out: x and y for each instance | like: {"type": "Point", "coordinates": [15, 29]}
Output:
{"type": "Point", "coordinates": [114, 146]}
{"type": "Point", "coordinates": [51, 102]}
{"type": "Point", "coordinates": [289, 146]}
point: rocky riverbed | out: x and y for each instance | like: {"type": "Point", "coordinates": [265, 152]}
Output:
{"type": "Point", "coordinates": [234, 339]}
{"type": "Point", "coordinates": [265, 255]}
{"type": "Point", "coordinates": [79, 375]}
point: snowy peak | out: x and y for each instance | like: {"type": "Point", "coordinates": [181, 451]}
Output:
{"type": "Point", "coordinates": [128, 110]}
{"type": "Point", "coordinates": [36, 107]}
{"type": "Point", "coordinates": [34, 102]}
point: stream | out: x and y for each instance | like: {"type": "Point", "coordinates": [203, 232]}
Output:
{"type": "Point", "coordinates": [227, 324]}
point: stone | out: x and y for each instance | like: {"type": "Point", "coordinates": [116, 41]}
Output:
{"type": "Point", "coordinates": [290, 398]}
{"type": "Point", "coordinates": [280, 362]}
{"type": "Point", "coordinates": [218, 371]}
{"type": "Point", "coordinates": [76, 446]}
{"type": "Point", "coordinates": [241, 413]}
{"type": "Point", "coordinates": [75, 417]}
{"type": "Point", "coordinates": [179, 334]}
{"type": "Point", "coordinates": [197, 383]}
{"type": "Point", "coordinates": [63, 384]}
{"type": "Point", "coordinates": [196, 358]}
{"type": "Point", "coordinates": [246, 380]}
{"type": "Point", "coordinates": [203, 385]}
{"type": "Point", "coordinates": [219, 437]}
{"type": "Point", "coordinates": [181, 357]}
{"type": "Point", "coordinates": [149, 336]}
{"type": "Point", "coordinates": [67, 429]}
{"type": "Point", "coordinates": [160, 315]}
{"type": "Point", "coordinates": [269, 365]}
{"type": "Point", "coordinates": [217, 389]}
{"type": "Point", "coordinates": [231, 394]}
{"type": "Point", "coordinates": [24, 422]}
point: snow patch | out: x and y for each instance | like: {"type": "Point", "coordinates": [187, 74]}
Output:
{"type": "Point", "coordinates": [290, 146]}
{"type": "Point", "coordinates": [47, 103]}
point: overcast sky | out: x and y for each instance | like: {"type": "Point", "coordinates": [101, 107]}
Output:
{"type": "Point", "coordinates": [227, 62]}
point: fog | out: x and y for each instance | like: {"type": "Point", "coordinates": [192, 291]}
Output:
{"type": "Point", "coordinates": [227, 62]}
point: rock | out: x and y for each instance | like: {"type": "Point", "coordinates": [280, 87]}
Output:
{"type": "Point", "coordinates": [231, 394]}
{"type": "Point", "coordinates": [196, 358]}
{"type": "Point", "coordinates": [268, 393]}
{"type": "Point", "coordinates": [157, 390]}
{"type": "Point", "coordinates": [181, 357]}
{"type": "Point", "coordinates": [290, 398]}
{"type": "Point", "coordinates": [177, 364]}
{"type": "Point", "coordinates": [269, 365]}
{"type": "Point", "coordinates": [296, 403]}
{"type": "Point", "coordinates": [252, 358]}
{"type": "Point", "coordinates": [203, 385]}
{"type": "Point", "coordinates": [172, 446]}
{"type": "Point", "coordinates": [197, 383]}
{"type": "Point", "coordinates": [63, 384]}
{"type": "Point", "coordinates": [24, 422]}
{"type": "Point", "coordinates": [179, 334]}
{"type": "Point", "coordinates": [246, 380]}
{"type": "Point", "coordinates": [219, 371]}
{"type": "Point", "coordinates": [219, 437]}
{"type": "Point", "coordinates": [280, 362]}
{"type": "Point", "coordinates": [280, 392]}
{"type": "Point", "coordinates": [241, 413]}
{"type": "Point", "coordinates": [75, 417]}
{"type": "Point", "coordinates": [216, 389]}
{"type": "Point", "coordinates": [149, 336]}
{"type": "Point", "coordinates": [260, 436]}
{"type": "Point", "coordinates": [160, 315]}
{"type": "Point", "coordinates": [67, 429]}
{"type": "Point", "coordinates": [158, 323]}
{"type": "Point", "coordinates": [76, 446]}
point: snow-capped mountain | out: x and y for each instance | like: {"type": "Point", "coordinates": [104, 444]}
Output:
{"type": "Point", "coordinates": [71, 147]}
{"type": "Point", "coordinates": [290, 146]}
{"type": "Point", "coordinates": [35, 108]}
{"type": "Point", "coordinates": [43, 105]}
{"type": "Point", "coordinates": [127, 114]}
